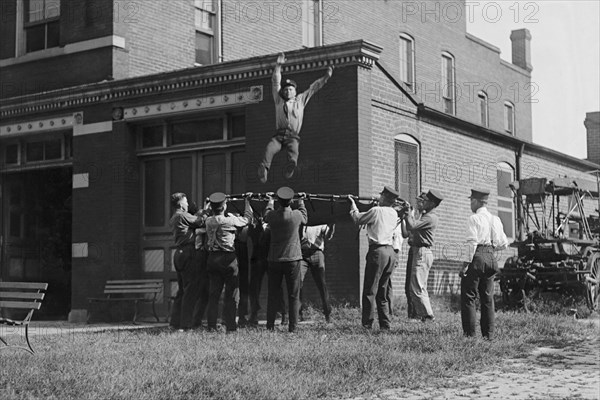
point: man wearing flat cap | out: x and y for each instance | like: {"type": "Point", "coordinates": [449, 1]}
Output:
{"type": "Point", "coordinates": [485, 235]}
{"type": "Point", "coordinates": [285, 254]}
{"type": "Point", "coordinates": [289, 114]}
{"type": "Point", "coordinates": [222, 264]}
{"type": "Point", "coordinates": [422, 231]}
{"type": "Point", "coordinates": [381, 222]}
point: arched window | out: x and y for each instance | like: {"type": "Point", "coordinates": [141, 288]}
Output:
{"type": "Point", "coordinates": [408, 166]}
{"type": "Point", "coordinates": [407, 61]}
{"type": "Point", "coordinates": [483, 108]}
{"type": "Point", "coordinates": [506, 207]}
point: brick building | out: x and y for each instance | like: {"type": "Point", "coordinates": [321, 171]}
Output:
{"type": "Point", "coordinates": [110, 106]}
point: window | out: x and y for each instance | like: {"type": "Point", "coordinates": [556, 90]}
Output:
{"type": "Point", "coordinates": [44, 150]}
{"type": "Point", "coordinates": [12, 154]}
{"type": "Point", "coordinates": [407, 166]}
{"type": "Point", "coordinates": [51, 148]}
{"type": "Point", "coordinates": [215, 127]}
{"type": "Point", "coordinates": [506, 209]}
{"type": "Point", "coordinates": [448, 83]}
{"type": "Point", "coordinates": [509, 117]}
{"type": "Point", "coordinates": [206, 22]}
{"type": "Point", "coordinates": [41, 24]}
{"type": "Point", "coordinates": [407, 61]}
{"type": "Point", "coordinates": [483, 109]}
{"type": "Point", "coordinates": [312, 23]}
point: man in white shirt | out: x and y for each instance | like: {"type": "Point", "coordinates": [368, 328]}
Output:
{"type": "Point", "coordinates": [485, 235]}
{"type": "Point", "coordinates": [381, 223]}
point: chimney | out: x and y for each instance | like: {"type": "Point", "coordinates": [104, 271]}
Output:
{"type": "Point", "coordinates": [592, 124]}
{"type": "Point", "coordinates": [521, 48]}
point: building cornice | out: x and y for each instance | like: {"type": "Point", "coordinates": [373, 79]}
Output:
{"type": "Point", "coordinates": [461, 126]}
{"type": "Point", "coordinates": [359, 52]}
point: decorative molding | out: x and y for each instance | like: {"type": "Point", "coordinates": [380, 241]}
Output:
{"type": "Point", "coordinates": [253, 95]}
{"type": "Point", "coordinates": [202, 79]}
{"type": "Point", "coordinates": [79, 250]}
{"type": "Point", "coordinates": [36, 126]}
{"type": "Point", "coordinates": [77, 47]}
{"type": "Point", "coordinates": [98, 127]}
{"type": "Point", "coordinates": [81, 181]}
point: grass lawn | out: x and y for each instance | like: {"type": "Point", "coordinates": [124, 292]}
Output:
{"type": "Point", "coordinates": [321, 360]}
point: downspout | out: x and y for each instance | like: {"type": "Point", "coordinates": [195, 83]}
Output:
{"type": "Point", "coordinates": [519, 156]}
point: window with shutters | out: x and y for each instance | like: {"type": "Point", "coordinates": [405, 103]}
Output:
{"type": "Point", "coordinates": [407, 161]}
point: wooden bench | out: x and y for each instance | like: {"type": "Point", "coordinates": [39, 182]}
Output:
{"type": "Point", "coordinates": [23, 297]}
{"type": "Point", "coordinates": [132, 290]}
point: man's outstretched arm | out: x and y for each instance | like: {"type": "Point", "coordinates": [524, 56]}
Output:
{"type": "Point", "coordinates": [316, 85]}
{"type": "Point", "coordinates": [276, 79]}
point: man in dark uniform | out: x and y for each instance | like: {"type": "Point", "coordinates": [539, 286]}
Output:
{"type": "Point", "coordinates": [183, 225]}
{"type": "Point", "coordinates": [285, 253]}
{"type": "Point", "coordinates": [485, 234]}
{"type": "Point", "coordinates": [381, 221]}
{"type": "Point", "coordinates": [422, 231]}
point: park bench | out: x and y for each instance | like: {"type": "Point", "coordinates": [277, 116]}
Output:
{"type": "Point", "coordinates": [23, 297]}
{"type": "Point", "coordinates": [134, 291]}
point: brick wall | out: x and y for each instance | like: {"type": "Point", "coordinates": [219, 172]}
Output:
{"type": "Point", "coordinates": [257, 28]}
{"type": "Point", "coordinates": [56, 73]}
{"type": "Point", "coordinates": [451, 163]}
{"type": "Point", "coordinates": [106, 215]}
{"type": "Point", "coordinates": [160, 35]}
{"type": "Point", "coordinates": [8, 11]}
{"type": "Point", "coordinates": [437, 26]}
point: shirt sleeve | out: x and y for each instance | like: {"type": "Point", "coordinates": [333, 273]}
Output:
{"type": "Point", "coordinates": [276, 82]}
{"type": "Point", "coordinates": [237, 221]}
{"type": "Point", "coordinates": [191, 220]}
{"type": "Point", "coordinates": [314, 88]}
{"type": "Point", "coordinates": [426, 222]}
{"type": "Point", "coordinates": [471, 235]}
{"type": "Point", "coordinates": [363, 218]}
{"type": "Point", "coordinates": [303, 212]}
{"type": "Point", "coordinates": [501, 241]}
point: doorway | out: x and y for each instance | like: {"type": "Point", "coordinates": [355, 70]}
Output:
{"type": "Point", "coordinates": [36, 233]}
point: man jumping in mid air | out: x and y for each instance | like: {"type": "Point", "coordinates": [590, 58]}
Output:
{"type": "Point", "coordinates": [289, 113]}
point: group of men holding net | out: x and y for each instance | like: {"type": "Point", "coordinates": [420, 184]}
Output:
{"type": "Point", "coordinates": [212, 250]}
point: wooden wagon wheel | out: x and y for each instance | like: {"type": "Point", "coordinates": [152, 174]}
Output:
{"type": "Point", "coordinates": [592, 281]}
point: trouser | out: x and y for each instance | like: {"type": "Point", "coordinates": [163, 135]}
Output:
{"type": "Point", "coordinates": [257, 273]}
{"type": "Point", "coordinates": [277, 142]}
{"type": "Point", "coordinates": [188, 282]}
{"type": "Point", "coordinates": [422, 260]}
{"type": "Point", "coordinates": [241, 250]}
{"type": "Point", "coordinates": [204, 288]}
{"type": "Point", "coordinates": [479, 279]}
{"type": "Point", "coordinates": [314, 260]}
{"type": "Point", "coordinates": [379, 266]}
{"type": "Point", "coordinates": [390, 288]}
{"type": "Point", "coordinates": [223, 270]}
{"type": "Point", "coordinates": [277, 271]}
{"type": "Point", "coordinates": [410, 307]}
